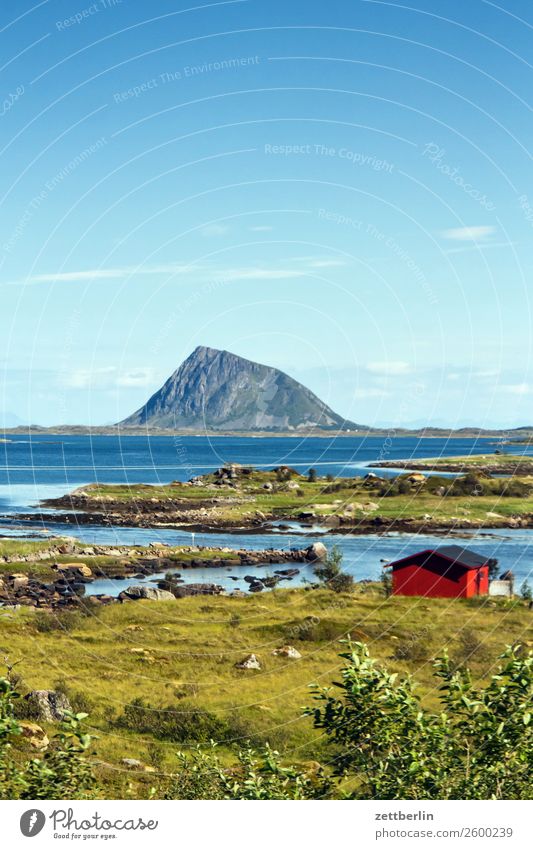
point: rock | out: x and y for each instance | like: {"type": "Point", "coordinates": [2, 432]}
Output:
{"type": "Point", "coordinates": [316, 551]}
{"type": "Point", "coordinates": [131, 763]}
{"type": "Point", "coordinates": [20, 581]}
{"type": "Point", "coordinates": [150, 593]}
{"type": "Point", "coordinates": [48, 705]}
{"type": "Point", "coordinates": [416, 477]}
{"type": "Point", "coordinates": [198, 589]}
{"type": "Point", "coordinates": [35, 735]}
{"type": "Point", "coordinates": [331, 521]}
{"type": "Point", "coordinates": [491, 515]}
{"type": "Point", "coordinates": [268, 485]}
{"type": "Point", "coordinates": [287, 651]}
{"type": "Point", "coordinates": [271, 580]}
{"type": "Point", "coordinates": [80, 568]}
{"type": "Point", "coordinates": [249, 662]}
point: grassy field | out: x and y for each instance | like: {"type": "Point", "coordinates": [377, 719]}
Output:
{"type": "Point", "coordinates": [181, 656]}
{"type": "Point", "coordinates": [476, 462]}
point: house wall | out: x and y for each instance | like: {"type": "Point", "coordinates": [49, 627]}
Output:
{"type": "Point", "coordinates": [434, 576]}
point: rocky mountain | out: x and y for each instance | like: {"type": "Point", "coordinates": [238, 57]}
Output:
{"type": "Point", "coordinates": [219, 391]}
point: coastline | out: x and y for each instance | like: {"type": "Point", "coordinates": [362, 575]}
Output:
{"type": "Point", "coordinates": [391, 433]}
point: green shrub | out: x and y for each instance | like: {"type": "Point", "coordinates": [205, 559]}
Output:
{"type": "Point", "coordinates": [256, 775]}
{"type": "Point", "coordinates": [62, 772]}
{"type": "Point", "coordinates": [478, 745]}
{"type": "Point", "coordinates": [330, 573]}
{"type": "Point", "coordinates": [68, 620]}
{"type": "Point", "coordinates": [186, 723]}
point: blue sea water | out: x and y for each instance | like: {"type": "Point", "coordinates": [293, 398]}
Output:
{"type": "Point", "coordinates": [47, 466]}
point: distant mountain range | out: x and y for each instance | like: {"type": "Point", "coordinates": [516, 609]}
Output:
{"type": "Point", "coordinates": [216, 390]}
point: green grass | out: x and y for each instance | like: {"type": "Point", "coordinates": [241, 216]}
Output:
{"type": "Point", "coordinates": [353, 499]}
{"type": "Point", "coordinates": [473, 461]}
{"type": "Point", "coordinates": [184, 652]}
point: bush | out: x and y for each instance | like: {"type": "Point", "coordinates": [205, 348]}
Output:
{"type": "Point", "coordinates": [478, 745]}
{"type": "Point", "coordinates": [329, 572]}
{"type": "Point", "coordinates": [257, 775]}
{"type": "Point", "coordinates": [412, 650]}
{"type": "Point", "coordinates": [68, 620]}
{"type": "Point", "coordinates": [61, 773]}
{"type": "Point", "coordinates": [525, 591]}
{"type": "Point", "coordinates": [80, 702]}
{"type": "Point", "coordinates": [184, 724]}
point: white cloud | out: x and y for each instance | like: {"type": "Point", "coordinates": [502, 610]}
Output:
{"type": "Point", "coordinates": [260, 273]}
{"type": "Point", "coordinates": [102, 274]}
{"type": "Point", "coordinates": [320, 261]}
{"type": "Point", "coordinates": [215, 230]}
{"type": "Point", "coordinates": [469, 234]}
{"type": "Point", "coordinates": [487, 374]}
{"type": "Point", "coordinates": [107, 377]}
{"type": "Point", "coordinates": [326, 263]}
{"type": "Point", "coordinates": [136, 377]}
{"type": "Point", "coordinates": [88, 378]}
{"type": "Point", "coordinates": [517, 388]}
{"type": "Point", "coordinates": [393, 367]}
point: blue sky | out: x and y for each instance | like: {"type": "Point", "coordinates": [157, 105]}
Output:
{"type": "Point", "coordinates": [340, 190]}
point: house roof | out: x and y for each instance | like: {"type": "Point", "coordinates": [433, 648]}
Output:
{"type": "Point", "coordinates": [462, 555]}
{"type": "Point", "coordinates": [454, 553]}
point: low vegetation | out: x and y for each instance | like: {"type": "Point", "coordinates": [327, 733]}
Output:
{"type": "Point", "coordinates": [253, 497]}
{"type": "Point", "coordinates": [384, 744]}
{"type": "Point", "coordinates": [159, 677]}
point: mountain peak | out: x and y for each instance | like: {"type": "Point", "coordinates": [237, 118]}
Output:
{"type": "Point", "coordinates": [217, 390]}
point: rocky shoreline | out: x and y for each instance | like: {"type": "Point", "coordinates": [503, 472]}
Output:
{"type": "Point", "coordinates": [69, 587]}
{"type": "Point", "coordinates": [331, 524]}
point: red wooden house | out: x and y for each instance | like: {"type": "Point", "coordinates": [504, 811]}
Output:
{"type": "Point", "coordinates": [445, 572]}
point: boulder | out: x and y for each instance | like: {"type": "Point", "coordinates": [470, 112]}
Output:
{"type": "Point", "coordinates": [48, 705]}
{"type": "Point", "coordinates": [316, 551]}
{"type": "Point", "coordinates": [287, 651]}
{"type": "Point", "coordinates": [80, 568]}
{"type": "Point", "coordinates": [249, 662]}
{"type": "Point", "coordinates": [34, 734]}
{"type": "Point", "coordinates": [151, 593]}
{"type": "Point", "coordinates": [198, 589]}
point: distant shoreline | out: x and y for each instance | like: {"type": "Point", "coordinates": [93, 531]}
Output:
{"type": "Point", "coordinates": [523, 435]}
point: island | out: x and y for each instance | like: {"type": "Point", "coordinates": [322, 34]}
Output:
{"type": "Point", "coordinates": [237, 498]}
